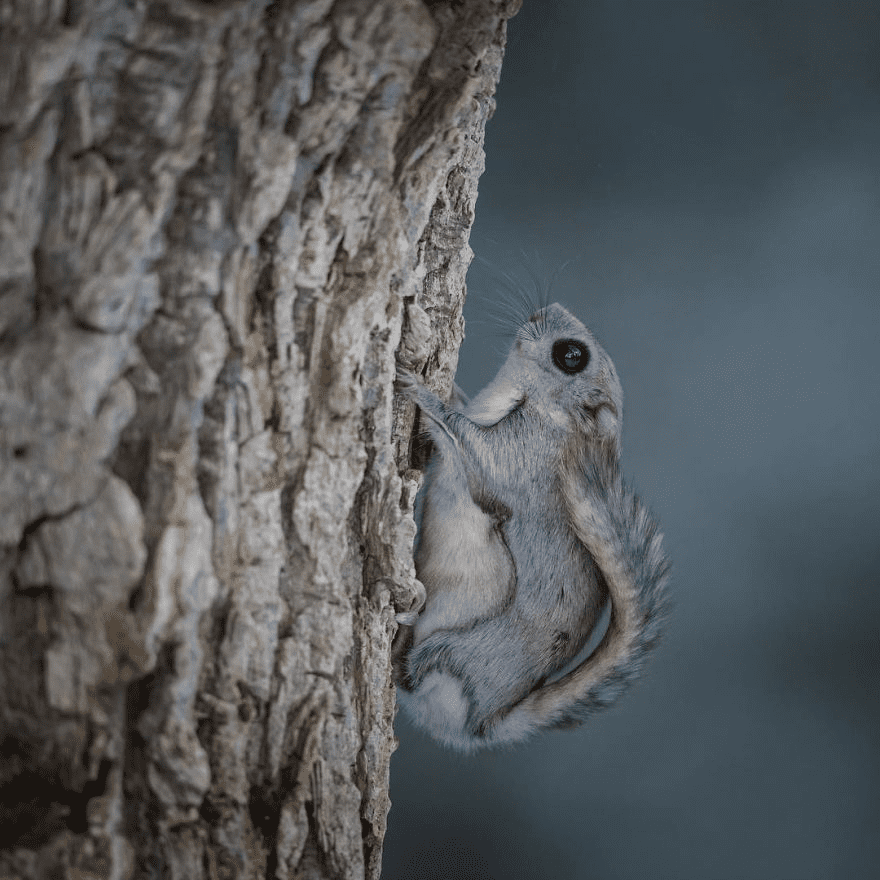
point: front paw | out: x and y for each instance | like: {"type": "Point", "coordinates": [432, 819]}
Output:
{"type": "Point", "coordinates": [407, 383]}
{"type": "Point", "coordinates": [413, 388]}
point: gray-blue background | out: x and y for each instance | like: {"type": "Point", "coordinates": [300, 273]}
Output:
{"type": "Point", "coordinates": [715, 170]}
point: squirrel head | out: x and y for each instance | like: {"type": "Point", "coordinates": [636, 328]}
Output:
{"type": "Point", "coordinates": [558, 371]}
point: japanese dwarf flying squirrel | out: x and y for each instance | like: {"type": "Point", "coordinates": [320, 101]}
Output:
{"type": "Point", "coordinates": [526, 530]}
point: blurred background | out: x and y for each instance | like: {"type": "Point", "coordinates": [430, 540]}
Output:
{"type": "Point", "coordinates": [712, 172]}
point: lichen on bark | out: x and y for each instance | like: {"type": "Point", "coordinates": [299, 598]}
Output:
{"type": "Point", "coordinates": [218, 222]}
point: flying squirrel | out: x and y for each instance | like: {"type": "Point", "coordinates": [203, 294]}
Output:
{"type": "Point", "coordinates": [526, 531]}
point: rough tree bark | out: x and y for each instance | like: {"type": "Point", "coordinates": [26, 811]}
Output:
{"type": "Point", "coordinates": [217, 219]}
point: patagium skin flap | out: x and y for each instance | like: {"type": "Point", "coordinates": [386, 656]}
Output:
{"type": "Point", "coordinates": [526, 531]}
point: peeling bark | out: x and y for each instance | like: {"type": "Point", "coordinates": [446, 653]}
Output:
{"type": "Point", "coordinates": [218, 221]}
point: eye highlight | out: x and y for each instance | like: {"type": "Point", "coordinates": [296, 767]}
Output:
{"type": "Point", "coordinates": [570, 355]}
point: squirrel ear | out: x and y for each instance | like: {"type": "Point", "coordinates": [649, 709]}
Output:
{"type": "Point", "coordinates": [609, 424]}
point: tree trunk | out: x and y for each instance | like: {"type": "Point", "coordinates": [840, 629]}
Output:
{"type": "Point", "coordinates": [218, 220]}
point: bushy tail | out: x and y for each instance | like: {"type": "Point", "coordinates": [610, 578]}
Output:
{"type": "Point", "coordinates": [625, 543]}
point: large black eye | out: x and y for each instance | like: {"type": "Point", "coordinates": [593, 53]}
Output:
{"type": "Point", "coordinates": [570, 356]}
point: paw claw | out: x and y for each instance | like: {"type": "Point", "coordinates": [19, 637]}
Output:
{"type": "Point", "coordinates": [406, 382]}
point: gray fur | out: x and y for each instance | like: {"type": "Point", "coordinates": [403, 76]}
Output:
{"type": "Point", "coordinates": [526, 529]}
